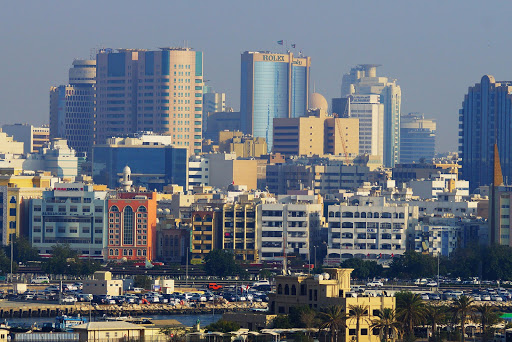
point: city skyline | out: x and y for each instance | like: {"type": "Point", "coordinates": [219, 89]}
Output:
{"type": "Point", "coordinates": [434, 54]}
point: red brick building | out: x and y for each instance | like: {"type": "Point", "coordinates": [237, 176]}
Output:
{"type": "Point", "coordinates": [132, 226]}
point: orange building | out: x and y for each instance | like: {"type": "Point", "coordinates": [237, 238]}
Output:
{"type": "Point", "coordinates": [132, 226]}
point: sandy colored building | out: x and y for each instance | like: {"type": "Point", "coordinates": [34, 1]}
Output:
{"type": "Point", "coordinates": [204, 233]}
{"type": "Point", "coordinates": [239, 232]}
{"type": "Point", "coordinates": [103, 284]}
{"type": "Point", "coordinates": [110, 331]}
{"type": "Point", "coordinates": [325, 290]}
{"type": "Point", "coordinates": [244, 146]}
{"type": "Point", "coordinates": [316, 134]}
{"type": "Point", "coordinates": [9, 145]}
{"type": "Point", "coordinates": [226, 170]}
{"type": "Point", "coordinates": [33, 138]}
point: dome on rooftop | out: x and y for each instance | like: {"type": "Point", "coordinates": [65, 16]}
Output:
{"type": "Point", "coordinates": [318, 101]}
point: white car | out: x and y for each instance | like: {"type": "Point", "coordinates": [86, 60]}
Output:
{"type": "Point", "coordinates": [375, 284]}
{"type": "Point", "coordinates": [40, 280]}
{"type": "Point", "coordinates": [69, 300]}
{"type": "Point", "coordinates": [432, 284]}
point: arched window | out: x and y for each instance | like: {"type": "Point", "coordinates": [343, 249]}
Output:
{"type": "Point", "coordinates": [117, 251]}
{"type": "Point", "coordinates": [286, 289]}
{"type": "Point", "coordinates": [279, 289]}
{"type": "Point", "coordinates": [370, 215]}
{"type": "Point", "coordinates": [294, 290]}
{"type": "Point", "coordinates": [198, 218]}
{"type": "Point", "coordinates": [114, 208]}
{"type": "Point", "coordinates": [375, 215]}
{"type": "Point", "coordinates": [128, 226]}
{"type": "Point", "coordinates": [111, 252]}
{"type": "Point", "coordinates": [347, 214]}
{"type": "Point", "coordinates": [363, 215]}
{"type": "Point", "coordinates": [208, 218]}
{"type": "Point", "coordinates": [356, 214]}
{"type": "Point", "coordinates": [142, 209]}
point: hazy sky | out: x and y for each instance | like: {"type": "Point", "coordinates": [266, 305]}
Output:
{"type": "Point", "coordinates": [436, 49]}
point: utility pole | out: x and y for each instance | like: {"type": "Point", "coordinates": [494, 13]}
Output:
{"type": "Point", "coordinates": [186, 268]}
{"type": "Point", "coordinates": [12, 253]}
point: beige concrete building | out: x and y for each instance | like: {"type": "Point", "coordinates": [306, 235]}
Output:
{"type": "Point", "coordinates": [226, 170]}
{"type": "Point", "coordinates": [34, 138]}
{"type": "Point", "coordinates": [8, 145]}
{"type": "Point", "coordinates": [159, 91]}
{"type": "Point", "coordinates": [239, 232]}
{"type": "Point", "coordinates": [244, 146]}
{"type": "Point", "coordinates": [103, 284]}
{"type": "Point", "coordinates": [316, 134]}
{"type": "Point", "coordinates": [325, 290]}
{"type": "Point", "coordinates": [204, 233]}
{"type": "Point", "coordinates": [110, 331]}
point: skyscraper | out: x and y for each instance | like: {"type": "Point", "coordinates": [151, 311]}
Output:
{"type": "Point", "coordinates": [485, 119]}
{"type": "Point", "coordinates": [363, 80]}
{"type": "Point", "coordinates": [159, 91]}
{"type": "Point", "coordinates": [370, 112]}
{"type": "Point", "coordinates": [72, 107]}
{"type": "Point", "coordinates": [212, 103]}
{"type": "Point", "coordinates": [417, 138]}
{"type": "Point", "coordinates": [272, 86]}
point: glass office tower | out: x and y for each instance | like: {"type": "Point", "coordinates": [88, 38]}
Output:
{"type": "Point", "coordinates": [272, 86]}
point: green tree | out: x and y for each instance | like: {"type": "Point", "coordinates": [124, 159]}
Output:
{"type": "Point", "coordinates": [463, 309]}
{"type": "Point", "coordinates": [223, 326]}
{"type": "Point", "coordinates": [435, 315]}
{"type": "Point", "coordinates": [22, 250]}
{"type": "Point", "coordinates": [174, 334]}
{"type": "Point", "coordinates": [387, 324]}
{"type": "Point", "coordinates": [363, 269]}
{"type": "Point", "coordinates": [282, 322]}
{"type": "Point", "coordinates": [221, 263]}
{"type": "Point", "coordinates": [334, 319]}
{"type": "Point", "coordinates": [488, 316]}
{"type": "Point", "coordinates": [5, 264]}
{"type": "Point", "coordinates": [358, 312]}
{"type": "Point", "coordinates": [65, 260]}
{"type": "Point", "coordinates": [410, 310]}
{"type": "Point", "coordinates": [142, 281]}
{"type": "Point", "coordinates": [413, 265]}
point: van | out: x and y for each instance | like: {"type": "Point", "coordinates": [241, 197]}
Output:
{"type": "Point", "coordinates": [40, 280]}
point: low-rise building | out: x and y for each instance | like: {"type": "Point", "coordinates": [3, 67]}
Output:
{"type": "Point", "coordinates": [325, 290]}
{"type": "Point", "coordinates": [205, 228]}
{"type": "Point", "coordinates": [73, 214]}
{"type": "Point", "coordinates": [286, 229]}
{"type": "Point", "coordinates": [239, 231]}
{"type": "Point", "coordinates": [110, 331]}
{"type": "Point", "coordinates": [132, 225]}
{"type": "Point", "coordinates": [103, 284]}
{"type": "Point", "coordinates": [372, 230]}
{"type": "Point", "coordinates": [33, 138]}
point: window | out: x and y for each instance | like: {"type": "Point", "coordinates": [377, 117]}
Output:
{"type": "Point", "coordinates": [128, 226]}
{"type": "Point", "coordinates": [114, 208]}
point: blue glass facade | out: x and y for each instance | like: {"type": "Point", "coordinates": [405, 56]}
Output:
{"type": "Point", "coordinates": [116, 64]}
{"type": "Point", "coordinates": [152, 167]}
{"type": "Point", "coordinates": [270, 99]}
{"type": "Point", "coordinates": [299, 91]}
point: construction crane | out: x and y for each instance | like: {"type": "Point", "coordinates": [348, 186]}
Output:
{"type": "Point", "coordinates": [340, 132]}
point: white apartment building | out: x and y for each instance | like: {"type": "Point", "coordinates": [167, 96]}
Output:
{"type": "Point", "coordinates": [436, 239]}
{"type": "Point", "coordinates": [286, 229]}
{"type": "Point", "coordinates": [370, 112]}
{"type": "Point", "coordinates": [198, 171]}
{"type": "Point", "coordinates": [368, 230]}
{"type": "Point", "coordinates": [430, 188]}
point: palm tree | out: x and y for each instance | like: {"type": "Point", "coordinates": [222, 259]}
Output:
{"type": "Point", "coordinates": [358, 312]}
{"type": "Point", "coordinates": [333, 318]}
{"type": "Point", "coordinates": [463, 309]}
{"type": "Point", "coordinates": [386, 323]}
{"type": "Point", "coordinates": [488, 317]}
{"type": "Point", "coordinates": [435, 315]}
{"type": "Point", "coordinates": [410, 310]}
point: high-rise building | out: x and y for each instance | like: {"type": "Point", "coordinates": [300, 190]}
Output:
{"type": "Point", "coordinates": [363, 80]}
{"type": "Point", "coordinates": [272, 86]}
{"type": "Point", "coordinates": [159, 91]}
{"type": "Point", "coordinates": [72, 107]}
{"type": "Point", "coordinates": [417, 138]}
{"type": "Point", "coordinates": [370, 112]}
{"type": "Point", "coordinates": [485, 119]}
{"type": "Point", "coordinates": [212, 103]}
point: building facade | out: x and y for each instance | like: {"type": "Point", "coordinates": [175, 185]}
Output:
{"type": "Point", "coordinates": [158, 91]}
{"type": "Point", "coordinates": [205, 231]}
{"type": "Point", "coordinates": [239, 231]}
{"type": "Point", "coordinates": [71, 213]}
{"type": "Point", "coordinates": [132, 226]}
{"type": "Point", "coordinates": [417, 138]}
{"type": "Point", "coordinates": [33, 138]}
{"type": "Point", "coordinates": [370, 113]}
{"type": "Point", "coordinates": [212, 103]}
{"type": "Point", "coordinates": [363, 80]}
{"type": "Point", "coordinates": [369, 230]}
{"type": "Point", "coordinates": [153, 160]}
{"type": "Point", "coordinates": [286, 229]}
{"type": "Point", "coordinates": [272, 86]}
{"type": "Point", "coordinates": [485, 119]}
{"type": "Point", "coordinates": [72, 107]}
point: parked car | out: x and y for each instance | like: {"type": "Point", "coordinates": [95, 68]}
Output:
{"type": "Point", "coordinates": [375, 283]}
{"type": "Point", "coordinates": [40, 280]}
{"type": "Point", "coordinates": [69, 300]}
